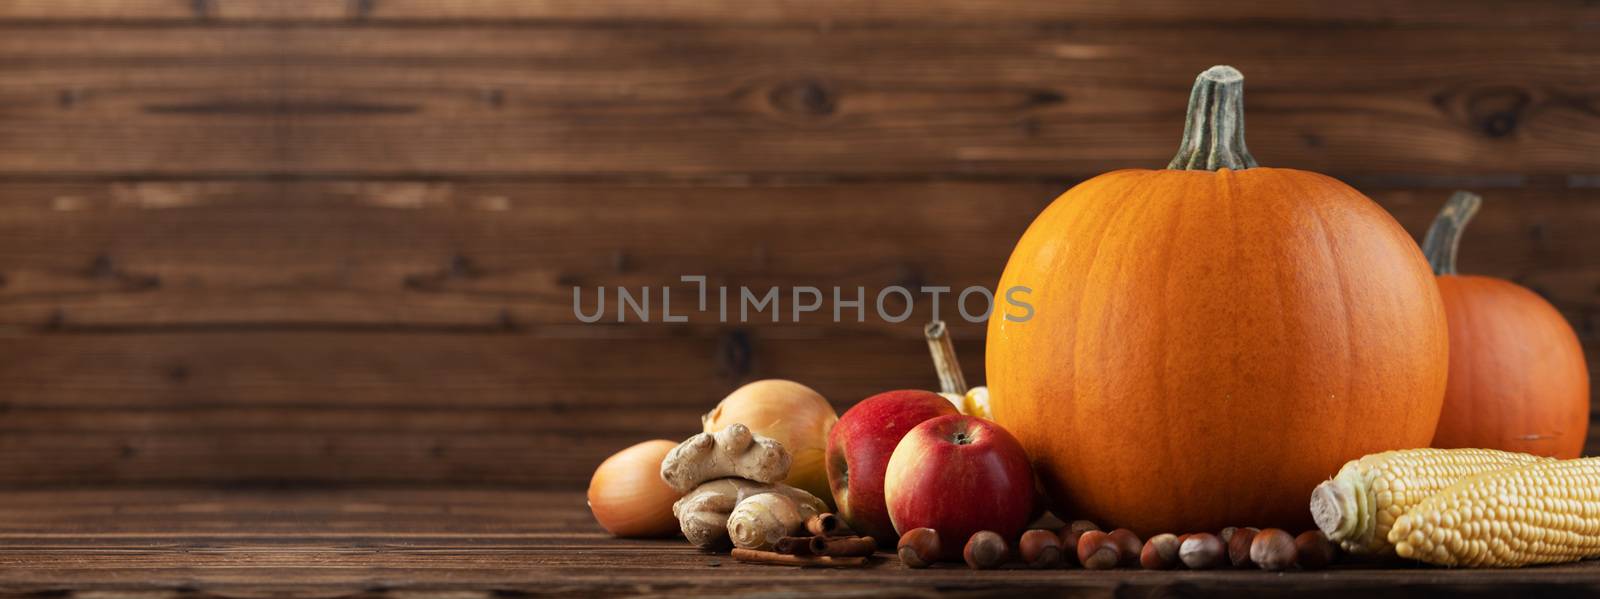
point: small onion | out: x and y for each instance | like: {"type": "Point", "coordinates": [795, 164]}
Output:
{"type": "Point", "coordinates": [790, 413]}
{"type": "Point", "coordinates": [627, 495]}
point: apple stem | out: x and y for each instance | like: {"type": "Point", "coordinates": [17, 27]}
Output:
{"type": "Point", "coordinates": [944, 358]}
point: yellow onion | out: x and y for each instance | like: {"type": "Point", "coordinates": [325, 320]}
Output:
{"type": "Point", "coordinates": [627, 495]}
{"type": "Point", "coordinates": [791, 413]}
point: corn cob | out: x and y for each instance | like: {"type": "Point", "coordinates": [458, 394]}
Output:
{"type": "Point", "coordinates": [1542, 513]}
{"type": "Point", "coordinates": [1358, 506]}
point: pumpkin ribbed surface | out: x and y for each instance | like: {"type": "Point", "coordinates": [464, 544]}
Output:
{"type": "Point", "coordinates": [1518, 381]}
{"type": "Point", "coordinates": [1208, 346]}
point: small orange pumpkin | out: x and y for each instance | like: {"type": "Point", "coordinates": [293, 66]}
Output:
{"type": "Point", "coordinates": [1210, 341]}
{"type": "Point", "coordinates": [1518, 381]}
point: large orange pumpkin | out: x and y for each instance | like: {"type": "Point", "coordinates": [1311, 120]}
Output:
{"type": "Point", "coordinates": [1518, 381]}
{"type": "Point", "coordinates": [1212, 340]}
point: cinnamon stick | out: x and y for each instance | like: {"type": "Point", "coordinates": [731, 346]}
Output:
{"type": "Point", "coordinates": [827, 525]}
{"type": "Point", "coordinates": [794, 546]}
{"type": "Point", "coordinates": [754, 556]}
{"type": "Point", "coordinates": [843, 546]}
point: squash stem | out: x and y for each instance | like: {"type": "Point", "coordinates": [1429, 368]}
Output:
{"type": "Point", "coordinates": [1213, 131]}
{"type": "Point", "coordinates": [944, 358]}
{"type": "Point", "coordinates": [1444, 235]}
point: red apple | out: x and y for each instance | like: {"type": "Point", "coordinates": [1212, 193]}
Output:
{"type": "Point", "coordinates": [959, 475]}
{"type": "Point", "coordinates": [858, 452]}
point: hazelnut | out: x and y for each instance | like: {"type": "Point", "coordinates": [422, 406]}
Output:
{"type": "Point", "coordinates": [1312, 550]}
{"type": "Point", "coordinates": [1128, 546]}
{"type": "Point", "coordinates": [985, 550]}
{"type": "Point", "coordinates": [1160, 552]}
{"type": "Point", "coordinates": [1239, 547]}
{"type": "Point", "coordinates": [1082, 526]}
{"type": "Point", "coordinates": [919, 547]}
{"type": "Point", "coordinates": [1227, 534]}
{"type": "Point", "coordinates": [1069, 544]}
{"type": "Point", "coordinates": [1273, 549]}
{"type": "Point", "coordinates": [1040, 549]}
{"type": "Point", "coordinates": [1096, 551]}
{"type": "Point", "coordinates": [1202, 551]}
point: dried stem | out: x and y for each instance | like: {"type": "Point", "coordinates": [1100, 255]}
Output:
{"type": "Point", "coordinates": [1213, 131]}
{"type": "Point", "coordinates": [1444, 235]}
{"type": "Point", "coordinates": [944, 358]}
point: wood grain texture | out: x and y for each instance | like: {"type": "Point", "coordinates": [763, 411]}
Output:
{"type": "Point", "coordinates": [481, 254]}
{"type": "Point", "coordinates": [375, 408]}
{"type": "Point", "coordinates": [992, 12]}
{"type": "Point", "coordinates": [475, 543]}
{"type": "Point", "coordinates": [309, 242]}
{"type": "Point", "coordinates": [390, 331]}
{"type": "Point", "coordinates": [388, 408]}
{"type": "Point", "coordinates": [716, 101]}
{"type": "Point", "coordinates": [960, 13]}
{"type": "Point", "coordinates": [508, 254]}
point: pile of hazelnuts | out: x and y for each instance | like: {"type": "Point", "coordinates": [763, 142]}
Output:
{"type": "Point", "coordinates": [1082, 543]}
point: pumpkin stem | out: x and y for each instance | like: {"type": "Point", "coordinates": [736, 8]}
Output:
{"type": "Point", "coordinates": [1444, 235]}
{"type": "Point", "coordinates": [944, 358]}
{"type": "Point", "coordinates": [1213, 132]}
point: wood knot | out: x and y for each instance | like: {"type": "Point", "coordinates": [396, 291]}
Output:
{"type": "Point", "coordinates": [1029, 126]}
{"type": "Point", "coordinates": [362, 9]}
{"type": "Point", "coordinates": [805, 97]}
{"type": "Point", "coordinates": [102, 267]}
{"type": "Point", "coordinates": [733, 354]}
{"type": "Point", "coordinates": [494, 97]}
{"type": "Point", "coordinates": [1497, 112]}
{"type": "Point", "coordinates": [459, 267]}
{"type": "Point", "coordinates": [462, 266]}
{"type": "Point", "coordinates": [910, 276]}
{"type": "Point", "coordinates": [69, 98]}
{"type": "Point", "coordinates": [1045, 97]}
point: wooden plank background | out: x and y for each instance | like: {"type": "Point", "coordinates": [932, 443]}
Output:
{"type": "Point", "coordinates": [318, 242]}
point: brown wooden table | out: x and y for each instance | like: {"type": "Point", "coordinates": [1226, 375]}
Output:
{"type": "Point", "coordinates": [402, 542]}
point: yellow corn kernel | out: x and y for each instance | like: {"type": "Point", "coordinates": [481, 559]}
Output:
{"type": "Point", "coordinates": [1542, 513]}
{"type": "Point", "coordinates": [1359, 505]}
{"type": "Point", "coordinates": [976, 403]}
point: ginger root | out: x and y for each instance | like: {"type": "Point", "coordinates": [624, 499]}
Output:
{"type": "Point", "coordinates": [704, 514]}
{"type": "Point", "coordinates": [760, 520]}
{"type": "Point", "coordinates": [730, 452]}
